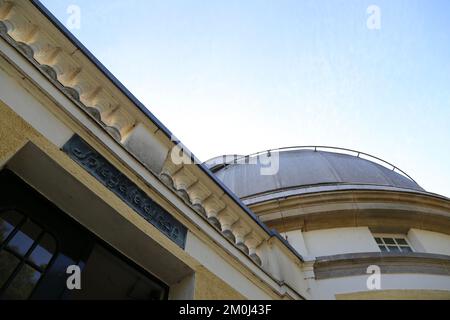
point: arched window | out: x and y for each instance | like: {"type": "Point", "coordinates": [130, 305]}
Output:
{"type": "Point", "coordinates": [26, 251]}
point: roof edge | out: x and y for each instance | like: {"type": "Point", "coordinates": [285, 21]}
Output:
{"type": "Point", "coordinates": [38, 4]}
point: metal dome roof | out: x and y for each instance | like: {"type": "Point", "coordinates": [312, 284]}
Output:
{"type": "Point", "coordinates": [304, 167]}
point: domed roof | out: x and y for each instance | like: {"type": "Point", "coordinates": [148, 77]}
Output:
{"type": "Point", "coordinates": [305, 168]}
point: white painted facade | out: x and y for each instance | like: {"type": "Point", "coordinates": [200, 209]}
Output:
{"type": "Point", "coordinates": [330, 289]}
{"type": "Point", "coordinates": [353, 240]}
{"type": "Point", "coordinates": [339, 241]}
{"type": "Point", "coordinates": [283, 271]}
{"type": "Point", "coordinates": [429, 241]}
{"type": "Point", "coordinates": [336, 241]}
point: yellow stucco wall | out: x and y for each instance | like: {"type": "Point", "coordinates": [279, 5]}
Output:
{"type": "Point", "coordinates": [210, 287]}
{"type": "Point", "coordinates": [15, 133]}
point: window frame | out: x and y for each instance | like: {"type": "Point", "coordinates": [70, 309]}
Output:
{"type": "Point", "coordinates": [394, 237]}
{"type": "Point", "coordinates": [24, 260]}
{"type": "Point", "coordinates": [73, 239]}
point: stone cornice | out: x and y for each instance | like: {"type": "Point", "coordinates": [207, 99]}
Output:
{"type": "Point", "coordinates": [311, 191]}
{"type": "Point", "coordinates": [353, 195]}
{"type": "Point", "coordinates": [74, 73]}
{"type": "Point", "coordinates": [379, 210]}
{"type": "Point", "coordinates": [222, 214]}
{"type": "Point", "coordinates": [355, 264]}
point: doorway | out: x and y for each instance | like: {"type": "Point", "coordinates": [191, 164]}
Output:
{"type": "Point", "coordinates": [39, 242]}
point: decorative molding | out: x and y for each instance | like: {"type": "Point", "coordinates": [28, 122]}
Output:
{"type": "Point", "coordinates": [381, 210]}
{"type": "Point", "coordinates": [212, 207]}
{"type": "Point", "coordinates": [88, 88]}
{"type": "Point", "coordinates": [356, 264]}
{"type": "Point", "coordinates": [65, 69]}
{"type": "Point", "coordinates": [385, 220]}
{"type": "Point", "coordinates": [357, 197]}
{"type": "Point", "coordinates": [322, 189]}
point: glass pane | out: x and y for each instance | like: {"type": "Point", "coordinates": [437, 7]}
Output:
{"type": "Point", "coordinates": [8, 263]}
{"type": "Point", "coordinates": [378, 240]}
{"type": "Point", "coordinates": [23, 284]}
{"type": "Point", "coordinates": [383, 249]}
{"type": "Point", "coordinates": [43, 252]}
{"type": "Point", "coordinates": [393, 249]}
{"type": "Point", "coordinates": [24, 238]}
{"type": "Point", "coordinates": [401, 241]}
{"type": "Point", "coordinates": [8, 221]}
{"type": "Point", "coordinates": [406, 249]}
{"type": "Point", "coordinates": [388, 240]}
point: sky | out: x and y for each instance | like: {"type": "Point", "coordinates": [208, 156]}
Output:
{"type": "Point", "coordinates": [242, 76]}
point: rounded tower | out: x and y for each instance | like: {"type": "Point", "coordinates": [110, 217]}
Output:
{"type": "Point", "coordinates": [366, 228]}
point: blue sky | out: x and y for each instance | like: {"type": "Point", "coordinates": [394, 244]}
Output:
{"type": "Point", "coordinates": [236, 77]}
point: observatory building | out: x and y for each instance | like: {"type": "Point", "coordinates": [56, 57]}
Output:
{"type": "Point", "coordinates": [349, 214]}
{"type": "Point", "coordinates": [98, 200]}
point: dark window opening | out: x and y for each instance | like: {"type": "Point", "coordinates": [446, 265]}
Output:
{"type": "Point", "coordinates": [25, 253]}
{"type": "Point", "coordinates": [392, 244]}
{"type": "Point", "coordinates": [38, 242]}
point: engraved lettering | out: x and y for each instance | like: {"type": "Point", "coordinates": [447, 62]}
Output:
{"type": "Point", "coordinates": [126, 190]}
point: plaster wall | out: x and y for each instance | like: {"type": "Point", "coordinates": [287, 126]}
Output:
{"type": "Point", "coordinates": [338, 241]}
{"type": "Point", "coordinates": [329, 288]}
{"type": "Point", "coordinates": [429, 242]}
